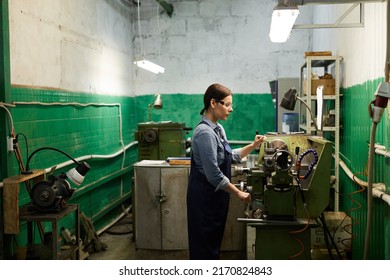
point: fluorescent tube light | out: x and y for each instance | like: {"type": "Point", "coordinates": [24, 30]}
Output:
{"type": "Point", "coordinates": [150, 66]}
{"type": "Point", "coordinates": [283, 18]}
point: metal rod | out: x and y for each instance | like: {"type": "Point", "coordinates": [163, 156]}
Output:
{"type": "Point", "coordinates": [315, 26]}
{"type": "Point", "coordinates": [311, 113]}
{"type": "Point", "coordinates": [306, 2]}
{"type": "Point", "coordinates": [338, 23]}
{"type": "Point", "coordinates": [347, 12]}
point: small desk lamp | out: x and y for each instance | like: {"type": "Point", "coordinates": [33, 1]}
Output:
{"type": "Point", "coordinates": [289, 100]}
{"type": "Point", "coordinates": [157, 104]}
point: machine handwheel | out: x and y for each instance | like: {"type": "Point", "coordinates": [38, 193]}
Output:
{"type": "Point", "coordinates": [150, 135]}
{"type": "Point", "coordinates": [283, 160]}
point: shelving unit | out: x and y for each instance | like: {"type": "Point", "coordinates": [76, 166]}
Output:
{"type": "Point", "coordinates": [323, 64]}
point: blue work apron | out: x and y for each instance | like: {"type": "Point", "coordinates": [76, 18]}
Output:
{"type": "Point", "coordinates": [207, 211]}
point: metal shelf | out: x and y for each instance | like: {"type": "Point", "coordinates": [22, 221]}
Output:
{"type": "Point", "coordinates": [325, 97]}
{"type": "Point", "coordinates": [325, 63]}
{"type": "Point", "coordinates": [320, 61]}
{"type": "Point", "coordinates": [324, 128]}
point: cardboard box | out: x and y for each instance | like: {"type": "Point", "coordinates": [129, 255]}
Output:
{"type": "Point", "coordinates": [329, 86]}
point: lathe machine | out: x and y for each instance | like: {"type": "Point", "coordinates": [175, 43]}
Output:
{"type": "Point", "coordinates": [290, 188]}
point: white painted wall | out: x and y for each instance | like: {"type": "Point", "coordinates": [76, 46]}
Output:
{"type": "Point", "coordinates": [75, 45]}
{"type": "Point", "coordinates": [89, 46]}
{"type": "Point", "coordinates": [363, 49]}
{"type": "Point", "coordinates": [208, 41]}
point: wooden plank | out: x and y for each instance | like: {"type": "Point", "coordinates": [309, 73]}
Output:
{"type": "Point", "coordinates": [11, 207]}
{"type": "Point", "coordinates": [11, 187]}
{"type": "Point", "coordinates": [23, 177]}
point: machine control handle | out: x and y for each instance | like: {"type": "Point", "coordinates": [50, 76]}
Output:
{"type": "Point", "coordinates": [258, 149]}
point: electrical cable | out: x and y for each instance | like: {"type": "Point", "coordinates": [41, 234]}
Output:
{"type": "Point", "coordinates": [344, 228]}
{"type": "Point", "coordinates": [300, 189]}
{"type": "Point", "coordinates": [17, 141]}
{"type": "Point", "coordinates": [369, 190]}
{"type": "Point", "coordinates": [11, 122]}
{"type": "Point", "coordinates": [326, 239]}
{"type": "Point", "coordinates": [124, 212]}
{"type": "Point", "coordinates": [354, 221]}
{"type": "Point", "coordinates": [122, 222]}
{"type": "Point", "coordinates": [347, 242]}
{"type": "Point", "coordinates": [22, 169]}
{"type": "Point", "coordinates": [48, 148]}
{"type": "Point", "coordinates": [297, 238]}
{"type": "Point", "coordinates": [328, 234]}
{"type": "Point", "coordinates": [302, 229]}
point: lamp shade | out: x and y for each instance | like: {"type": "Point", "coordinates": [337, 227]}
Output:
{"type": "Point", "coordinates": [289, 100]}
{"type": "Point", "coordinates": [76, 175]}
{"type": "Point", "coordinates": [283, 19]}
{"type": "Point", "coordinates": [158, 104]}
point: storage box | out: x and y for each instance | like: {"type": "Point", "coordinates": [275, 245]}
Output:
{"type": "Point", "coordinates": [329, 86]}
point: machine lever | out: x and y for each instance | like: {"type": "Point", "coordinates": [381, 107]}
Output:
{"type": "Point", "coordinates": [258, 149]}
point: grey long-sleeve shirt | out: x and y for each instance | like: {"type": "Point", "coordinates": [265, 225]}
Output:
{"type": "Point", "coordinates": [208, 153]}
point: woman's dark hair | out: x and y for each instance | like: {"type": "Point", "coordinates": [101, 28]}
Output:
{"type": "Point", "coordinates": [215, 91]}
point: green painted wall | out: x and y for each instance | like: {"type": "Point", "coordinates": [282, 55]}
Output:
{"type": "Point", "coordinates": [355, 136]}
{"type": "Point", "coordinates": [251, 112]}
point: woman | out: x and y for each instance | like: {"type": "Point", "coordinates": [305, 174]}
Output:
{"type": "Point", "coordinates": [209, 184]}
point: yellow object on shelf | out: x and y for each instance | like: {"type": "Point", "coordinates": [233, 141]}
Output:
{"type": "Point", "coordinates": [329, 86]}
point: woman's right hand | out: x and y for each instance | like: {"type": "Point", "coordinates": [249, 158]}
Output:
{"type": "Point", "coordinates": [244, 196]}
{"type": "Point", "coordinates": [241, 195]}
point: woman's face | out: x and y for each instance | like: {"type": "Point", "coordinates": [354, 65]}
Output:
{"type": "Point", "coordinates": [223, 107]}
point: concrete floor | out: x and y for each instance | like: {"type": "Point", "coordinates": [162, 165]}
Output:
{"type": "Point", "coordinates": [121, 246]}
{"type": "Point", "coordinates": [119, 241]}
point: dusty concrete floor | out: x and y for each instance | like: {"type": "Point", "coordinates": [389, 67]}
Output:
{"type": "Point", "coordinates": [121, 246]}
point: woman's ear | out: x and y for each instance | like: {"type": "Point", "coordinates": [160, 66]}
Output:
{"type": "Point", "coordinates": [213, 104]}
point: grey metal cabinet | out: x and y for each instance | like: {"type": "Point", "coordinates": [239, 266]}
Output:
{"type": "Point", "coordinates": [160, 213]}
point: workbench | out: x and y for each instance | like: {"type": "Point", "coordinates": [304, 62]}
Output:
{"type": "Point", "coordinates": [28, 214]}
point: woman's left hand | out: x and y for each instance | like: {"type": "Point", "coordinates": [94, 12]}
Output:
{"type": "Point", "coordinates": [259, 139]}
